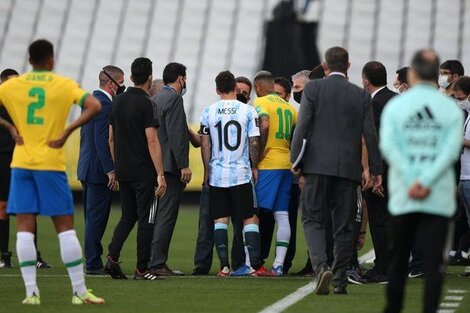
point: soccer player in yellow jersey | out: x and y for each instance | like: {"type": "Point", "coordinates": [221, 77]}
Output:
{"type": "Point", "coordinates": [38, 103]}
{"type": "Point", "coordinates": [277, 118]}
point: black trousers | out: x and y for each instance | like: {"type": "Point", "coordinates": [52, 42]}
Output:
{"type": "Point", "coordinates": [336, 197]}
{"type": "Point", "coordinates": [403, 230]}
{"type": "Point", "coordinates": [266, 228]}
{"type": "Point", "coordinates": [136, 198]}
{"type": "Point", "coordinates": [461, 228]}
{"type": "Point", "coordinates": [378, 216]}
{"type": "Point", "coordinates": [167, 214]}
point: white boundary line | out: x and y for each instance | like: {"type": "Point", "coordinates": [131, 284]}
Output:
{"type": "Point", "coordinates": [454, 295]}
{"type": "Point", "coordinates": [290, 300]}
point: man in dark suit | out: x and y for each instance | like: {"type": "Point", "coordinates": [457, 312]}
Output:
{"type": "Point", "coordinates": [174, 138]}
{"type": "Point", "coordinates": [334, 115]}
{"type": "Point", "coordinates": [96, 169]}
{"type": "Point", "coordinates": [374, 80]}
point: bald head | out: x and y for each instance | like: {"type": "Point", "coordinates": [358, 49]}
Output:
{"type": "Point", "coordinates": [263, 83]}
{"type": "Point", "coordinates": [424, 67]}
{"type": "Point", "coordinates": [157, 85]}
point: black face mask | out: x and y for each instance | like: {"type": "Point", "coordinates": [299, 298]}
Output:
{"type": "Point", "coordinates": [242, 98]}
{"type": "Point", "coordinates": [298, 96]}
{"type": "Point", "coordinates": [120, 89]}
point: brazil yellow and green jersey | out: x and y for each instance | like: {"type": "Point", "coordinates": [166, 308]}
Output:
{"type": "Point", "coordinates": [282, 116]}
{"type": "Point", "coordinates": [39, 102]}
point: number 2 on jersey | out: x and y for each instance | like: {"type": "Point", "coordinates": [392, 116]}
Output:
{"type": "Point", "coordinates": [36, 105]}
{"type": "Point", "coordinates": [285, 121]}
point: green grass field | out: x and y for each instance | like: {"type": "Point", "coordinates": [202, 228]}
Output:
{"type": "Point", "coordinates": [188, 294]}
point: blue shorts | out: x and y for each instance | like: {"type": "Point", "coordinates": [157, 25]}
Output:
{"type": "Point", "coordinates": [39, 192]}
{"type": "Point", "coordinates": [273, 189]}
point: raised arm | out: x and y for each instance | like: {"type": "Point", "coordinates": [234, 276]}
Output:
{"type": "Point", "coordinates": [92, 107]}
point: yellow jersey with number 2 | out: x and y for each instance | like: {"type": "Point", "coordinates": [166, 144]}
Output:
{"type": "Point", "coordinates": [282, 117]}
{"type": "Point", "coordinates": [39, 102]}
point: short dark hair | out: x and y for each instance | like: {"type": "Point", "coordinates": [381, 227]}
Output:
{"type": "Point", "coordinates": [375, 73]}
{"type": "Point", "coordinates": [172, 71]}
{"type": "Point", "coordinates": [225, 82]}
{"type": "Point", "coordinates": [244, 80]}
{"type": "Point", "coordinates": [263, 75]}
{"type": "Point", "coordinates": [318, 72]}
{"type": "Point", "coordinates": [403, 74]}
{"type": "Point", "coordinates": [453, 66]}
{"type": "Point", "coordinates": [463, 84]}
{"type": "Point", "coordinates": [40, 51]}
{"type": "Point", "coordinates": [285, 83]}
{"type": "Point", "coordinates": [113, 71]}
{"type": "Point", "coordinates": [337, 59]}
{"type": "Point", "coordinates": [6, 73]}
{"type": "Point", "coordinates": [426, 64]}
{"type": "Point", "coordinates": [141, 70]}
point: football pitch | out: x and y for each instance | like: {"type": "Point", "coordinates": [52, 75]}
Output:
{"type": "Point", "coordinates": [201, 294]}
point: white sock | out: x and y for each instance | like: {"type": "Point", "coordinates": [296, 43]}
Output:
{"type": "Point", "coordinates": [247, 253]}
{"type": "Point", "coordinates": [452, 253]}
{"type": "Point", "coordinates": [464, 255]}
{"type": "Point", "coordinates": [71, 254]}
{"type": "Point", "coordinates": [282, 237]}
{"type": "Point", "coordinates": [26, 252]}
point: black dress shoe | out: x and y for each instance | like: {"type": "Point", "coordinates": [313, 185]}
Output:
{"type": "Point", "coordinates": [340, 290]}
{"type": "Point", "coordinates": [112, 268]}
{"type": "Point", "coordinates": [197, 271]}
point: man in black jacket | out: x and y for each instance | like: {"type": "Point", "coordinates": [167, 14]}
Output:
{"type": "Point", "coordinates": [374, 80]}
{"type": "Point", "coordinates": [174, 138]}
{"type": "Point", "coordinates": [334, 115]}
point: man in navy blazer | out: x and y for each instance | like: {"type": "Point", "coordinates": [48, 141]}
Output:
{"type": "Point", "coordinates": [96, 169]}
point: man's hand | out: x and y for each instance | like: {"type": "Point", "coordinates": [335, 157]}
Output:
{"type": "Point", "coordinates": [255, 175]}
{"type": "Point", "coordinates": [301, 183]}
{"type": "Point", "coordinates": [378, 189]}
{"type": "Point", "coordinates": [16, 136]}
{"type": "Point", "coordinates": [186, 175]}
{"type": "Point", "coordinates": [418, 191]}
{"type": "Point", "coordinates": [367, 181]}
{"type": "Point", "coordinates": [59, 143]}
{"type": "Point", "coordinates": [112, 182]}
{"type": "Point", "coordinates": [296, 171]}
{"type": "Point", "coordinates": [161, 188]}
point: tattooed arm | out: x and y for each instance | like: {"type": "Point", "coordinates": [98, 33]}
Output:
{"type": "Point", "coordinates": [264, 131]}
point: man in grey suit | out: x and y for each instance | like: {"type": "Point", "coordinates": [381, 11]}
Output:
{"type": "Point", "coordinates": [174, 138]}
{"type": "Point", "coordinates": [334, 114]}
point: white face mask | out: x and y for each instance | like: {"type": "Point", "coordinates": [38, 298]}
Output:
{"type": "Point", "coordinates": [397, 90]}
{"type": "Point", "coordinates": [464, 104]}
{"type": "Point", "coordinates": [443, 81]}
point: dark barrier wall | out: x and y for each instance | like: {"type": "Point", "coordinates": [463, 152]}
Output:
{"type": "Point", "coordinates": [291, 46]}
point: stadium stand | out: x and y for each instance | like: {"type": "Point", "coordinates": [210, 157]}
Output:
{"type": "Point", "coordinates": [208, 35]}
